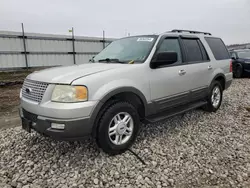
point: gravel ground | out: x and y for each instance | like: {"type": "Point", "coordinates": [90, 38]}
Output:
{"type": "Point", "coordinates": [196, 149]}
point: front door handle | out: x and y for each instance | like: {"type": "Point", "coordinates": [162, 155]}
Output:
{"type": "Point", "coordinates": [210, 67]}
{"type": "Point", "coordinates": [182, 72]}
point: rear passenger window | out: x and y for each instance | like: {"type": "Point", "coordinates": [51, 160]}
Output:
{"type": "Point", "coordinates": [193, 50]}
{"type": "Point", "coordinates": [218, 48]}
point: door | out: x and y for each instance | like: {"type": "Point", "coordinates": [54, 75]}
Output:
{"type": "Point", "coordinates": [199, 67]}
{"type": "Point", "coordinates": [170, 85]}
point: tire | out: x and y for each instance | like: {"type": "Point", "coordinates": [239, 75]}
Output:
{"type": "Point", "coordinates": [238, 71]}
{"type": "Point", "coordinates": [214, 100]}
{"type": "Point", "coordinates": [115, 132]}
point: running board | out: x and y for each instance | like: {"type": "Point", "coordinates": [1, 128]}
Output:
{"type": "Point", "coordinates": [173, 111]}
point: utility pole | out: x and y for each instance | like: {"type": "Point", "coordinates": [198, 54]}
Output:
{"type": "Point", "coordinates": [24, 47]}
{"type": "Point", "coordinates": [73, 43]}
{"type": "Point", "coordinates": [103, 38]}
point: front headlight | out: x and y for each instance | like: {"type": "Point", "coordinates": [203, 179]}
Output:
{"type": "Point", "coordinates": [67, 93]}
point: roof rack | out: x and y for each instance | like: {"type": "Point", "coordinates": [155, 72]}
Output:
{"type": "Point", "coordinates": [188, 31]}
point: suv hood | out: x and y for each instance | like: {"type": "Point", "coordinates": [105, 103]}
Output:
{"type": "Point", "coordinates": [67, 74]}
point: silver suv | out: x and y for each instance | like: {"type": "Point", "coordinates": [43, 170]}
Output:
{"type": "Point", "coordinates": [136, 79]}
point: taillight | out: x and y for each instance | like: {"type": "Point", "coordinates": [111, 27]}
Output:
{"type": "Point", "coordinates": [231, 66]}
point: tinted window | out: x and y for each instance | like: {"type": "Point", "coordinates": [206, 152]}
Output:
{"type": "Point", "coordinates": [218, 48]}
{"type": "Point", "coordinates": [193, 50]}
{"type": "Point", "coordinates": [243, 55]}
{"type": "Point", "coordinates": [172, 45]}
{"type": "Point", "coordinates": [203, 51]}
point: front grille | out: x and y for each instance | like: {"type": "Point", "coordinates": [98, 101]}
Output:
{"type": "Point", "coordinates": [29, 116]}
{"type": "Point", "coordinates": [34, 90]}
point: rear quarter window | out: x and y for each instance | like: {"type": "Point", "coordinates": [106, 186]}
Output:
{"type": "Point", "coordinates": [218, 48]}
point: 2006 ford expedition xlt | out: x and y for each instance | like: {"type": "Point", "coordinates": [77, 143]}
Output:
{"type": "Point", "coordinates": [135, 79]}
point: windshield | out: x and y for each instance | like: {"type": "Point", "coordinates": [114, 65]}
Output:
{"type": "Point", "coordinates": [127, 49]}
{"type": "Point", "coordinates": [244, 55]}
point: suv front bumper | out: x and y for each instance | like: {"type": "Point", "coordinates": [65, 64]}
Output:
{"type": "Point", "coordinates": [78, 119]}
{"type": "Point", "coordinates": [74, 129]}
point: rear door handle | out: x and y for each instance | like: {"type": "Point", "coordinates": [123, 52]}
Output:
{"type": "Point", "coordinates": [182, 72]}
{"type": "Point", "coordinates": [210, 67]}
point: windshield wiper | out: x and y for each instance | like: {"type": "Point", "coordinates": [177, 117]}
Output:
{"type": "Point", "coordinates": [111, 60]}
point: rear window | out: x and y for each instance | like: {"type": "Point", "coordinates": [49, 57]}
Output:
{"type": "Point", "coordinates": [218, 48]}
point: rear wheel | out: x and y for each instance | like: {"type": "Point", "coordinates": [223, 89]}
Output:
{"type": "Point", "coordinates": [214, 98]}
{"type": "Point", "coordinates": [118, 128]}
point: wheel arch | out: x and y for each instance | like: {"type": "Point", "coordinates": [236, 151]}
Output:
{"type": "Point", "coordinates": [221, 78]}
{"type": "Point", "coordinates": [129, 94]}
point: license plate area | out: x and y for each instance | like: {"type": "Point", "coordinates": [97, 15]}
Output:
{"type": "Point", "coordinates": [26, 125]}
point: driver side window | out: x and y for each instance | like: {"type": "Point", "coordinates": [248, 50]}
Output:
{"type": "Point", "coordinates": [171, 45]}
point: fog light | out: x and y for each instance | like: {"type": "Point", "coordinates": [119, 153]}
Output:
{"type": "Point", "coordinates": [57, 126]}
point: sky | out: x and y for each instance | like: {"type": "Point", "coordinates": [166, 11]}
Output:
{"type": "Point", "coordinates": [228, 19]}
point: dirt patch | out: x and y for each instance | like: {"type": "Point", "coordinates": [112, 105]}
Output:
{"type": "Point", "coordinates": [10, 86]}
{"type": "Point", "coordinates": [9, 99]}
{"type": "Point", "coordinates": [11, 83]}
{"type": "Point", "coordinates": [14, 76]}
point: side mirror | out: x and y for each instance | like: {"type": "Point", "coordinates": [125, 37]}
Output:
{"type": "Point", "coordinates": [233, 58]}
{"type": "Point", "coordinates": [92, 59]}
{"type": "Point", "coordinates": [164, 58]}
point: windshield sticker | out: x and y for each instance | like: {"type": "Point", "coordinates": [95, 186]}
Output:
{"type": "Point", "coordinates": [145, 39]}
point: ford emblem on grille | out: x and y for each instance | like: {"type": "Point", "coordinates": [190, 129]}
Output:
{"type": "Point", "coordinates": [28, 90]}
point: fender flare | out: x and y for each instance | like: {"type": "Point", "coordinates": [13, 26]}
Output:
{"type": "Point", "coordinates": [217, 76]}
{"type": "Point", "coordinates": [122, 90]}
{"type": "Point", "coordinates": [104, 99]}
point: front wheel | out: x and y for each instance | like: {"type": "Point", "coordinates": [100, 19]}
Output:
{"type": "Point", "coordinates": [214, 98]}
{"type": "Point", "coordinates": [118, 128]}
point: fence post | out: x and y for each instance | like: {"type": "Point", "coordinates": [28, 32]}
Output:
{"type": "Point", "coordinates": [24, 47]}
{"type": "Point", "coordinates": [73, 43]}
{"type": "Point", "coordinates": [103, 38]}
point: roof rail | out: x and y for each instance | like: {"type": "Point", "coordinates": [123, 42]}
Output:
{"type": "Point", "coordinates": [188, 31]}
